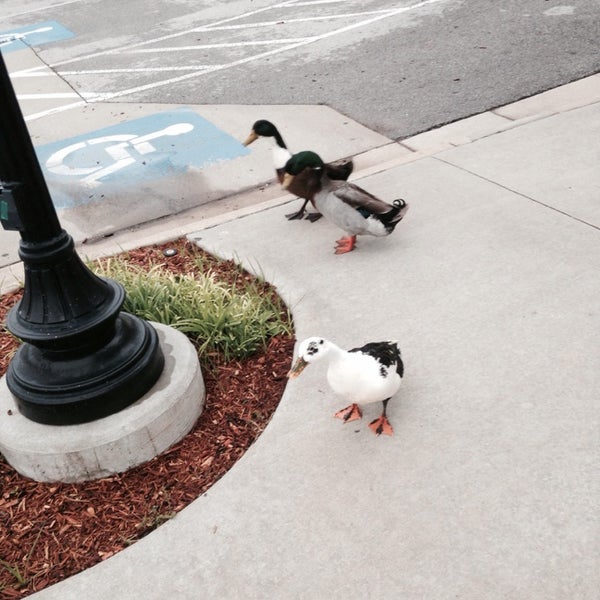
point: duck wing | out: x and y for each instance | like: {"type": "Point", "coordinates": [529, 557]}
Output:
{"type": "Point", "coordinates": [356, 197]}
{"type": "Point", "coordinates": [386, 353]}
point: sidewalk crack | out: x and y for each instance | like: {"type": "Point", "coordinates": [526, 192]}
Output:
{"type": "Point", "coordinates": [509, 189]}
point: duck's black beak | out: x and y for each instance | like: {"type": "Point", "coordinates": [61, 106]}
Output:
{"type": "Point", "coordinates": [298, 367]}
{"type": "Point", "coordinates": [253, 136]}
{"type": "Point", "coordinates": [287, 181]}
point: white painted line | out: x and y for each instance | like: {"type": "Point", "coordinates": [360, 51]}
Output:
{"type": "Point", "coordinates": [34, 10]}
{"type": "Point", "coordinates": [318, 2]}
{"type": "Point", "coordinates": [141, 142]}
{"type": "Point", "coordinates": [216, 26]}
{"type": "Point", "coordinates": [19, 35]}
{"type": "Point", "coordinates": [166, 37]}
{"type": "Point", "coordinates": [108, 96]}
{"type": "Point", "coordinates": [253, 12]}
{"type": "Point", "coordinates": [31, 72]}
{"type": "Point", "coordinates": [311, 2]}
{"type": "Point", "coordinates": [52, 111]}
{"type": "Point", "coordinates": [92, 96]}
{"type": "Point", "coordinates": [207, 28]}
{"type": "Point", "coordinates": [135, 70]}
{"type": "Point", "coordinates": [49, 96]}
{"type": "Point", "coordinates": [235, 63]}
{"type": "Point", "coordinates": [292, 21]}
{"type": "Point", "coordinates": [220, 45]}
{"type": "Point", "coordinates": [18, 74]}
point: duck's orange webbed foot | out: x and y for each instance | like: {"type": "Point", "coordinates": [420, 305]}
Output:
{"type": "Point", "coordinates": [381, 425]}
{"type": "Point", "coordinates": [350, 413]}
{"type": "Point", "coordinates": [345, 244]}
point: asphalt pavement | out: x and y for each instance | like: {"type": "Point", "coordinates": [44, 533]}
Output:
{"type": "Point", "coordinates": [489, 487]}
{"type": "Point", "coordinates": [397, 66]}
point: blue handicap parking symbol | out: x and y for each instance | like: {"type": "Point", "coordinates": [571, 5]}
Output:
{"type": "Point", "coordinates": [79, 169]}
{"type": "Point", "coordinates": [33, 35]}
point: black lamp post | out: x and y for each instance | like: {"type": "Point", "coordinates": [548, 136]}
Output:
{"type": "Point", "coordinates": [82, 358]}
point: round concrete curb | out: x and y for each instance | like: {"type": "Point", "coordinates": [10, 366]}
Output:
{"type": "Point", "coordinates": [116, 443]}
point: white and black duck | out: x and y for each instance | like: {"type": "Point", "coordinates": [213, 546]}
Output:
{"type": "Point", "coordinates": [348, 206]}
{"type": "Point", "coordinates": [365, 375]}
{"type": "Point", "coordinates": [339, 170]}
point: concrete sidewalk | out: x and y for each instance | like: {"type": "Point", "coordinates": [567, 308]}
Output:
{"type": "Point", "coordinates": [489, 488]}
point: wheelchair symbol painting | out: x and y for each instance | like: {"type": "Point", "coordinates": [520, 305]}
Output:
{"type": "Point", "coordinates": [121, 150]}
{"type": "Point", "coordinates": [86, 168]}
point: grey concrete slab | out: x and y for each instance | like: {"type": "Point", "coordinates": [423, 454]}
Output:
{"type": "Point", "coordinates": [488, 488]}
{"type": "Point", "coordinates": [460, 132]}
{"type": "Point", "coordinates": [560, 99]}
{"type": "Point", "coordinates": [553, 161]}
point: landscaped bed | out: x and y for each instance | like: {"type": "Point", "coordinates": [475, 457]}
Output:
{"type": "Point", "coordinates": [50, 531]}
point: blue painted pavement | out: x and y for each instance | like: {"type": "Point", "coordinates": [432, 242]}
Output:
{"type": "Point", "coordinates": [33, 35]}
{"type": "Point", "coordinates": [83, 169]}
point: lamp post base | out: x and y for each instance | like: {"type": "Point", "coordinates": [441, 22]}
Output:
{"type": "Point", "coordinates": [65, 388]}
{"type": "Point", "coordinates": [118, 442]}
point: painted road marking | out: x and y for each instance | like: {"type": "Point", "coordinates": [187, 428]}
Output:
{"type": "Point", "coordinates": [219, 45]}
{"type": "Point", "coordinates": [33, 35]}
{"type": "Point", "coordinates": [318, 2]}
{"type": "Point", "coordinates": [253, 25]}
{"type": "Point", "coordinates": [138, 70]}
{"type": "Point", "coordinates": [183, 72]}
{"type": "Point", "coordinates": [165, 37]}
{"type": "Point", "coordinates": [45, 73]}
{"type": "Point", "coordinates": [217, 25]}
{"type": "Point", "coordinates": [81, 169]}
{"type": "Point", "coordinates": [35, 10]}
{"type": "Point", "coordinates": [119, 153]}
{"type": "Point", "coordinates": [285, 48]}
{"type": "Point", "coordinates": [49, 95]}
{"type": "Point", "coordinates": [57, 109]}
{"type": "Point", "coordinates": [20, 35]}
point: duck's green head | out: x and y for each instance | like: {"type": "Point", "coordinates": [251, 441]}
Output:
{"type": "Point", "coordinates": [303, 160]}
{"type": "Point", "coordinates": [263, 128]}
{"type": "Point", "coordinates": [299, 162]}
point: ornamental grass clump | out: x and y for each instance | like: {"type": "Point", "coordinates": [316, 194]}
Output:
{"type": "Point", "coordinates": [224, 317]}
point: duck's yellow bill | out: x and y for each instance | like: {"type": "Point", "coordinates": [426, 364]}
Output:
{"type": "Point", "coordinates": [298, 367]}
{"type": "Point", "coordinates": [253, 136]}
{"type": "Point", "coordinates": [287, 181]}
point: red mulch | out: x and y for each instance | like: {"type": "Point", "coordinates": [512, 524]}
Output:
{"type": "Point", "coordinates": [49, 531]}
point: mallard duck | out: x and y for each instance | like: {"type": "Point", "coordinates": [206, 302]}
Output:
{"type": "Point", "coordinates": [372, 373]}
{"type": "Point", "coordinates": [348, 206]}
{"type": "Point", "coordinates": [340, 170]}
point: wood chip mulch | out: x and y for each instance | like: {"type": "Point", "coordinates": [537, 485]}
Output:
{"type": "Point", "coordinates": [50, 531]}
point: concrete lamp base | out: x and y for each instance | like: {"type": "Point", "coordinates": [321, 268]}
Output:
{"type": "Point", "coordinates": [136, 434]}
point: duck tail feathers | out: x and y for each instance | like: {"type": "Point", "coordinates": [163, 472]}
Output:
{"type": "Point", "coordinates": [391, 218]}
